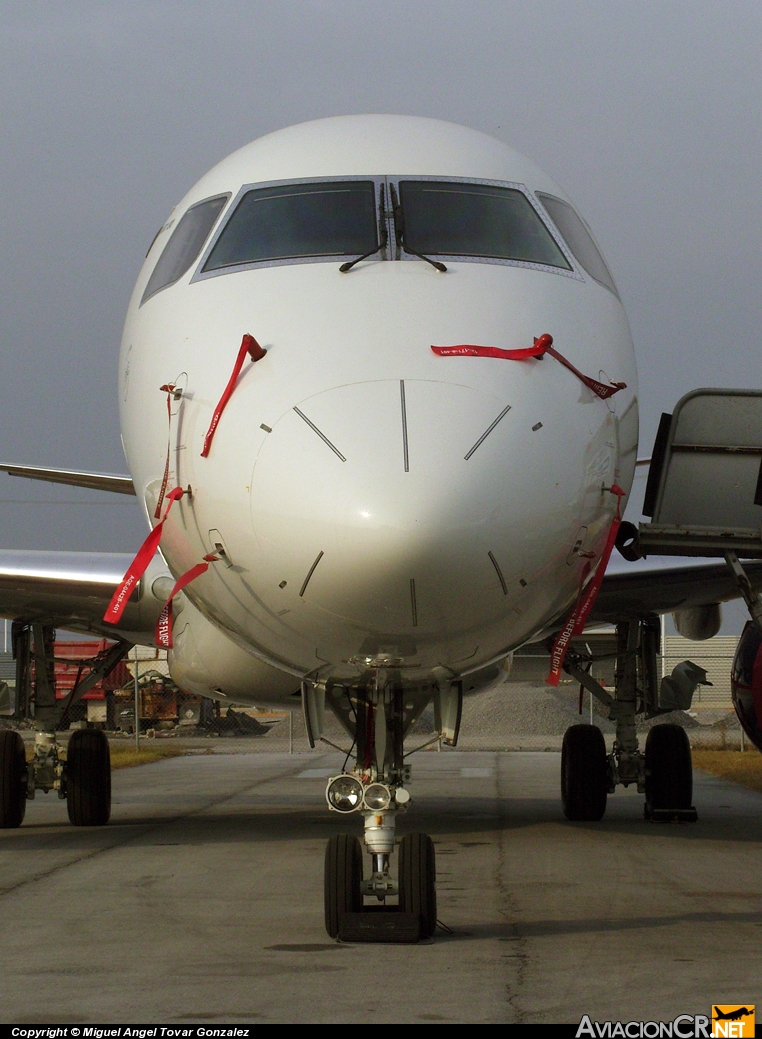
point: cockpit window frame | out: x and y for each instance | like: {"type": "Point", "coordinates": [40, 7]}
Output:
{"type": "Point", "coordinates": [574, 267]}
{"type": "Point", "coordinates": [607, 280]}
{"type": "Point", "coordinates": [391, 252]}
{"type": "Point", "coordinates": [288, 261]}
{"type": "Point", "coordinates": [171, 226]}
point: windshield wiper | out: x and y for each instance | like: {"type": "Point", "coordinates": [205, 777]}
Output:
{"type": "Point", "coordinates": [399, 228]}
{"type": "Point", "coordinates": [383, 236]}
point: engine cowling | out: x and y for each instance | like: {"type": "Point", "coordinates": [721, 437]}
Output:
{"type": "Point", "coordinates": [207, 662]}
{"type": "Point", "coordinates": [746, 683]}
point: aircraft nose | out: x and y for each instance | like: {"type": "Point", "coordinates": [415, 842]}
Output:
{"type": "Point", "coordinates": [389, 504]}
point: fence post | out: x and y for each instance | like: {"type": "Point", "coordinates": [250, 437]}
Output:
{"type": "Point", "coordinates": [137, 704]}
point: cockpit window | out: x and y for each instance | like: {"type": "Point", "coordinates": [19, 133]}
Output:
{"type": "Point", "coordinates": [445, 218]}
{"type": "Point", "coordinates": [184, 245]}
{"type": "Point", "coordinates": [579, 239]}
{"type": "Point", "coordinates": [294, 221]}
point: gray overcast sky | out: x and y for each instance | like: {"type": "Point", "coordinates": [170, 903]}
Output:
{"type": "Point", "coordinates": [647, 112]}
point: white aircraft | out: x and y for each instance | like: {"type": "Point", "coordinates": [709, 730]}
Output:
{"type": "Point", "coordinates": [356, 518]}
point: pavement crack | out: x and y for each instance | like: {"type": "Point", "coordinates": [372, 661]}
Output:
{"type": "Point", "coordinates": [142, 829]}
{"type": "Point", "coordinates": [515, 952]}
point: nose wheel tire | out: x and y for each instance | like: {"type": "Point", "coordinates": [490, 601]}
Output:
{"type": "Point", "coordinates": [417, 880]}
{"type": "Point", "coordinates": [88, 778]}
{"type": "Point", "coordinates": [12, 779]}
{"type": "Point", "coordinates": [343, 876]}
{"type": "Point", "coordinates": [584, 774]}
{"type": "Point", "coordinates": [669, 771]}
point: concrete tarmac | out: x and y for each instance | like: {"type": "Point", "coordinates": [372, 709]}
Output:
{"type": "Point", "coordinates": [201, 902]}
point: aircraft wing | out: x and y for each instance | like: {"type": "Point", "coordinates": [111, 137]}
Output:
{"type": "Point", "coordinates": [72, 590]}
{"type": "Point", "coordinates": [115, 482]}
{"type": "Point", "coordinates": [662, 584]}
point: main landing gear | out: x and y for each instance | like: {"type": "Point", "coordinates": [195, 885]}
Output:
{"type": "Point", "coordinates": [669, 773]}
{"type": "Point", "coordinates": [12, 779]}
{"type": "Point", "coordinates": [663, 773]}
{"type": "Point", "coordinates": [378, 715]}
{"type": "Point", "coordinates": [88, 778]}
{"type": "Point", "coordinates": [584, 774]}
{"type": "Point", "coordinates": [80, 774]}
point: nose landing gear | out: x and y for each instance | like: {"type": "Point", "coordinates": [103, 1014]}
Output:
{"type": "Point", "coordinates": [417, 880]}
{"type": "Point", "coordinates": [375, 788]}
{"type": "Point", "coordinates": [343, 877]}
{"type": "Point", "coordinates": [415, 915]}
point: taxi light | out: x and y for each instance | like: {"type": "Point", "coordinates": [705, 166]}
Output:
{"type": "Point", "coordinates": [377, 797]}
{"type": "Point", "coordinates": [344, 794]}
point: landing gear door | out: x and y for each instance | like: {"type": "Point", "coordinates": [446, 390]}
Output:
{"type": "Point", "coordinates": [448, 707]}
{"type": "Point", "coordinates": [313, 706]}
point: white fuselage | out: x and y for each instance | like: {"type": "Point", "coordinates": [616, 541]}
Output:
{"type": "Point", "coordinates": [442, 562]}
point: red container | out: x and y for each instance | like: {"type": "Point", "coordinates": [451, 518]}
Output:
{"type": "Point", "coordinates": [72, 664]}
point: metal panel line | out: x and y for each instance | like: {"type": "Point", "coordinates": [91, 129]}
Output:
{"type": "Point", "coordinates": [487, 431]}
{"type": "Point", "coordinates": [499, 573]}
{"type": "Point", "coordinates": [310, 573]}
{"type": "Point", "coordinates": [413, 602]}
{"type": "Point", "coordinates": [404, 426]}
{"type": "Point", "coordinates": [322, 436]}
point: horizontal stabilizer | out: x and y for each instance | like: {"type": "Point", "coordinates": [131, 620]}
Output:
{"type": "Point", "coordinates": [94, 481]}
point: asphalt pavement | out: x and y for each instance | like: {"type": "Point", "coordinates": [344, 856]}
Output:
{"type": "Point", "coordinates": [201, 902]}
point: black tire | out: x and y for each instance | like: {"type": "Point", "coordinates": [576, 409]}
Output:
{"type": "Point", "coordinates": [418, 880]}
{"type": "Point", "coordinates": [12, 779]}
{"type": "Point", "coordinates": [669, 770]}
{"type": "Point", "coordinates": [88, 778]}
{"type": "Point", "coordinates": [343, 875]}
{"type": "Point", "coordinates": [584, 774]}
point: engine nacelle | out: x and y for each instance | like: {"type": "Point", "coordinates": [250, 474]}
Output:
{"type": "Point", "coordinates": [746, 683]}
{"type": "Point", "coordinates": [699, 622]}
{"type": "Point", "coordinates": [205, 661]}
